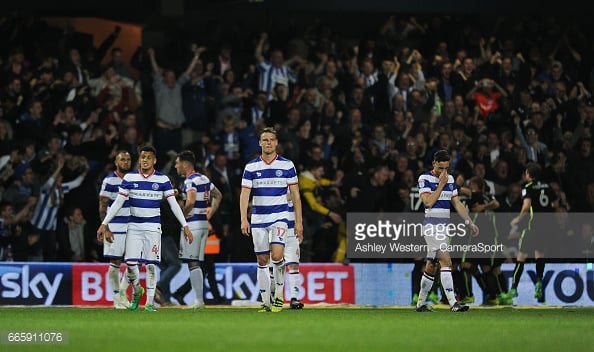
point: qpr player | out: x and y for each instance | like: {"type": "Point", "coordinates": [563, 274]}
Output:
{"type": "Point", "coordinates": [438, 190]}
{"type": "Point", "coordinates": [114, 251]}
{"type": "Point", "coordinates": [266, 179]}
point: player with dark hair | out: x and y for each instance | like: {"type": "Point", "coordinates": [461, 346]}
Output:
{"type": "Point", "coordinates": [537, 197]}
{"type": "Point", "coordinates": [199, 191]}
{"type": "Point", "coordinates": [438, 190]}
{"type": "Point", "coordinates": [114, 251]}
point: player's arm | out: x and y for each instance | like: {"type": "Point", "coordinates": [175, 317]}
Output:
{"type": "Point", "coordinates": [429, 199]}
{"type": "Point", "coordinates": [179, 215]}
{"type": "Point", "coordinates": [294, 189]}
{"type": "Point", "coordinates": [103, 207]}
{"type": "Point", "coordinates": [461, 209]}
{"type": "Point", "coordinates": [190, 201]}
{"type": "Point", "coordinates": [113, 210]}
{"type": "Point", "coordinates": [175, 208]}
{"type": "Point", "coordinates": [103, 232]}
{"type": "Point", "coordinates": [244, 201]}
{"type": "Point", "coordinates": [526, 204]}
{"type": "Point", "coordinates": [215, 200]}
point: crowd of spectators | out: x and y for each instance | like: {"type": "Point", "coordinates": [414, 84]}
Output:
{"type": "Point", "coordinates": [360, 117]}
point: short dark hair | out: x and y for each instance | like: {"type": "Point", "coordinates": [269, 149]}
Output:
{"type": "Point", "coordinates": [147, 148]}
{"type": "Point", "coordinates": [187, 155]}
{"type": "Point", "coordinates": [120, 151]}
{"type": "Point", "coordinates": [533, 170]}
{"type": "Point", "coordinates": [441, 155]}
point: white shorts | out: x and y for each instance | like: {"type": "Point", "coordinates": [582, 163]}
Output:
{"type": "Point", "coordinates": [192, 252]}
{"type": "Point", "coordinates": [115, 250]}
{"type": "Point", "coordinates": [143, 246]}
{"type": "Point", "coordinates": [263, 237]}
{"type": "Point", "coordinates": [291, 248]}
{"type": "Point", "coordinates": [435, 239]}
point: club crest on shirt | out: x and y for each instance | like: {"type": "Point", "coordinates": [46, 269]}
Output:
{"type": "Point", "coordinates": [258, 174]}
{"type": "Point", "coordinates": [279, 173]}
{"type": "Point", "coordinates": [421, 184]}
{"type": "Point", "coordinates": [155, 186]}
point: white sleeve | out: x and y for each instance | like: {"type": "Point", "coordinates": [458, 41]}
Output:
{"type": "Point", "coordinates": [179, 214]}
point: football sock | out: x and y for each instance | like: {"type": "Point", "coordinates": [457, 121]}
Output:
{"type": "Point", "coordinates": [272, 282]}
{"type": "Point", "coordinates": [478, 276]}
{"type": "Point", "coordinates": [123, 282]}
{"type": "Point", "coordinates": [113, 275]}
{"type": "Point", "coordinates": [294, 282]}
{"type": "Point", "coordinates": [448, 284]}
{"type": "Point", "coordinates": [492, 284]}
{"type": "Point", "coordinates": [540, 266]}
{"type": "Point", "coordinates": [197, 280]}
{"type": "Point", "coordinates": [278, 271]}
{"type": "Point", "coordinates": [518, 270]}
{"type": "Point", "coordinates": [502, 281]}
{"type": "Point", "coordinates": [426, 283]}
{"type": "Point", "coordinates": [151, 283]}
{"type": "Point", "coordinates": [132, 273]}
{"type": "Point", "coordinates": [264, 284]}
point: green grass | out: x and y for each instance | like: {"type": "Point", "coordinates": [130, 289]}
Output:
{"type": "Point", "coordinates": [311, 329]}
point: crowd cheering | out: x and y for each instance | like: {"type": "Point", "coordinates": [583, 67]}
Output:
{"type": "Point", "coordinates": [360, 117]}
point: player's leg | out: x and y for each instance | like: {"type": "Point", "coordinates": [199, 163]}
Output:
{"type": "Point", "coordinates": [113, 275]}
{"type": "Point", "coordinates": [448, 283]}
{"type": "Point", "coordinates": [272, 282]}
{"type": "Point", "coordinates": [519, 268]}
{"type": "Point", "coordinates": [277, 258]}
{"type": "Point", "coordinates": [278, 272]}
{"type": "Point", "coordinates": [428, 278]}
{"type": "Point", "coordinates": [491, 285]}
{"type": "Point", "coordinates": [464, 288]}
{"type": "Point", "coordinates": [501, 281]}
{"type": "Point", "coordinates": [115, 253]}
{"type": "Point", "coordinates": [151, 285]}
{"type": "Point", "coordinates": [197, 282]}
{"type": "Point", "coordinates": [540, 235]}
{"type": "Point", "coordinates": [427, 281]}
{"type": "Point", "coordinates": [191, 253]}
{"type": "Point", "coordinates": [133, 254]}
{"type": "Point", "coordinates": [540, 266]}
{"type": "Point", "coordinates": [260, 238]}
{"type": "Point", "coordinates": [152, 255]}
{"type": "Point", "coordinates": [292, 258]}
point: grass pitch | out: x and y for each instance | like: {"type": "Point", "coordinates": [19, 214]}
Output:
{"type": "Point", "coordinates": [311, 329]}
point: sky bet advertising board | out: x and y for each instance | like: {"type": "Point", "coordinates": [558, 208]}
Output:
{"type": "Point", "coordinates": [375, 284]}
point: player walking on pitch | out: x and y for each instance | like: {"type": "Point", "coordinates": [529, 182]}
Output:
{"type": "Point", "coordinates": [266, 179]}
{"type": "Point", "coordinates": [438, 189]}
